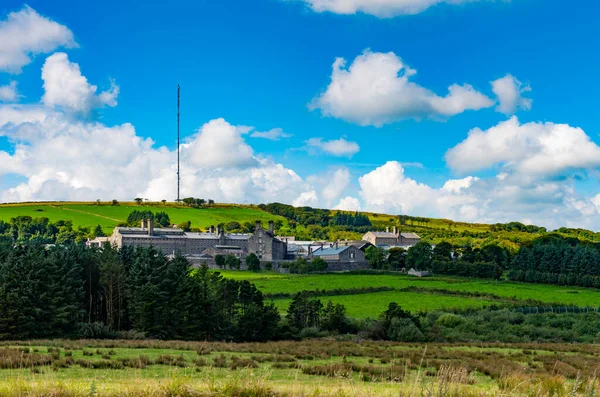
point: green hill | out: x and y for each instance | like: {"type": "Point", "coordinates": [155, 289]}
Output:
{"type": "Point", "coordinates": [304, 223]}
{"type": "Point", "coordinates": [108, 216]}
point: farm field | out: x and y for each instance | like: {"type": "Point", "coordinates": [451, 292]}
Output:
{"type": "Point", "coordinates": [413, 293]}
{"type": "Point", "coordinates": [108, 216]}
{"type": "Point", "coordinates": [372, 304]}
{"type": "Point", "coordinates": [307, 368]}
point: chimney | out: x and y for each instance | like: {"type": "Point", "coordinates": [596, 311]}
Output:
{"type": "Point", "coordinates": [257, 225]}
{"type": "Point", "coordinates": [212, 229]}
{"type": "Point", "coordinates": [387, 229]}
{"type": "Point", "coordinates": [395, 231]}
{"type": "Point", "coordinates": [151, 227]}
{"type": "Point", "coordinates": [336, 245]}
{"type": "Point", "coordinates": [218, 229]}
{"type": "Point", "coordinates": [271, 227]}
{"type": "Point", "coordinates": [143, 223]}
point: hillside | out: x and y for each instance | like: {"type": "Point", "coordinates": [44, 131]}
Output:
{"type": "Point", "coordinates": [304, 223]}
{"type": "Point", "coordinates": [89, 214]}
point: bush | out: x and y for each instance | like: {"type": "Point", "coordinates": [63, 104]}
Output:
{"type": "Point", "coordinates": [404, 330]}
{"type": "Point", "coordinates": [450, 320]}
{"type": "Point", "coordinates": [95, 331]}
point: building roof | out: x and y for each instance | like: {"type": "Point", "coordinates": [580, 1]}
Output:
{"type": "Point", "coordinates": [328, 251]}
{"type": "Point", "coordinates": [384, 234]}
{"type": "Point", "coordinates": [213, 236]}
{"type": "Point", "coordinates": [409, 235]}
{"type": "Point", "coordinates": [158, 230]}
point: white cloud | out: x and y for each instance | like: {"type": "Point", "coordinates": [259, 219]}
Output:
{"type": "Point", "coordinates": [307, 199]}
{"type": "Point", "coordinates": [65, 159]}
{"type": "Point", "coordinates": [388, 189]}
{"type": "Point", "coordinates": [63, 156]}
{"type": "Point", "coordinates": [274, 134]}
{"type": "Point", "coordinates": [329, 186]}
{"type": "Point", "coordinates": [379, 8]}
{"type": "Point", "coordinates": [67, 88]}
{"type": "Point", "coordinates": [532, 148]}
{"type": "Point", "coordinates": [26, 33]}
{"type": "Point", "coordinates": [348, 204]}
{"type": "Point", "coordinates": [8, 93]}
{"type": "Point", "coordinates": [338, 147]}
{"type": "Point", "coordinates": [509, 91]}
{"type": "Point", "coordinates": [456, 185]}
{"type": "Point", "coordinates": [218, 144]}
{"type": "Point", "coordinates": [487, 200]}
{"type": "Point", "coordinates": [377, 89]}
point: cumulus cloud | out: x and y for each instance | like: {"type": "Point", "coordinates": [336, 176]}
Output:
{"type": "Point", "coordinates": [377, 89]}
{"type": "Point", "coordinates": [456, 185]}
{"type": "Point", "coordinates": [274, 134]}
{"type": "Point", "coordinates": [63, 159]}
{"type": "Point", "coordinates": [67, 88]}
{"type": "Point", "coordinates": [348, 204]}
{"type": "Point", "coordinates": [388, 189]}
{"type": "Point", "coordinates": [338, 147]}
{"type": "Point", "coordinates": [531, 148]}
{"type": "Point", "coordinates": [379, 8]}
{"type": "Point", "coordinates": [329, 186]}
{"type": "Point", "coordinates": [510, 92]}
{"type": "Point", "coordinates": [544, 202]}
{"type": "Point", "coordinates": [218, 144]}
{"type": "Point", "coordinates": [8, 93]}
{"type": "Point", "coordinates": [25, 33]}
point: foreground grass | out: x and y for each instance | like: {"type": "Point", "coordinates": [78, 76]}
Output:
{"type": "Point", "coordinates": [66, 368]}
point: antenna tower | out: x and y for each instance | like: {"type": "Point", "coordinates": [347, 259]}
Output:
{"type": "Point", "coordinates": [178, 170]}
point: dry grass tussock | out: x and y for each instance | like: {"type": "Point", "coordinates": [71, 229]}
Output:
{"type": "Point", "coordinates": [512, 386]}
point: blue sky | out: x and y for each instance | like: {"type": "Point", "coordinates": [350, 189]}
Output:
{"type": "Point", "coordinates": [268, 64]}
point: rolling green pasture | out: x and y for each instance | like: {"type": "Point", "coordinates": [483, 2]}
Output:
{"type": "Point", "coordinates": [108, 216]}
{"type": "Point", "coordinates": [371, 304]}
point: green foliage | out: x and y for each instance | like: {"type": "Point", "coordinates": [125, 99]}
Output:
{"type": "Point", "coordinates": [553, 259]}
{"type": "Point", "coordinates": [253, 262]}
{"type": "Point", "coordinates": [220, 261]}
{"type": "Point", "coordinates": [353, 220]}
{"type": "Point", "coordinates": [186, 226]}
{"type": "Point", "coordinates": [303, 266]}
{"type": "Point", "coordinates": [376, 256]}
{"type": "Point", "coordinates": [98, 232]}
{"type": "Point", "coordinates": [396, 259]}
{"type": "Point", "coordinates": [232, 262]}
{"type": "Point", "coordinates": [419, 256]}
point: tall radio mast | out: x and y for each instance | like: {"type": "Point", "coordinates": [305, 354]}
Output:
{"type": "Point", "coordinates": [178, 169]}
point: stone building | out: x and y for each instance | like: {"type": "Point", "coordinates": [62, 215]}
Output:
{"type": "Point", "coordinates": [264, 244]}
{"type": "Point", "coordinates": [393, 238]}
{"type": "Point", "coordinates": [171, 240]}
{"type": "Point", "coordinates": [341, 257]}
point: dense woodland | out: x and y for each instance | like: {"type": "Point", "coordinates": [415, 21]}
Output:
{"type": "Point", "coordinates": [71, 290]}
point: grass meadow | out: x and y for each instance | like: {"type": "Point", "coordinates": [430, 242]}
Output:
{"type": "Point", "coordinates": [108, 216]}
{"type": "Point", "coordinates": [415, 294]}
{"type": "Point", "coordinates": [62, 368]}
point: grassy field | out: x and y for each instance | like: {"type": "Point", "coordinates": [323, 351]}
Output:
{"type": "Point", "coordinates": [434, 293]}
{"type": "Point", "coordinates": [372, 304]}
{"type": "Point", "coordinates": [309, 368]}
{"type": "Point", "coordinates": [108, 216]}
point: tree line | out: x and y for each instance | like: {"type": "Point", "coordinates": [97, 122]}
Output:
{"type": "Point", "coordinates": [71, 290]}
{"type": "Point", "coordinates": [555, 259]}
{"type": "Point", "coordinates": [443, 258]}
